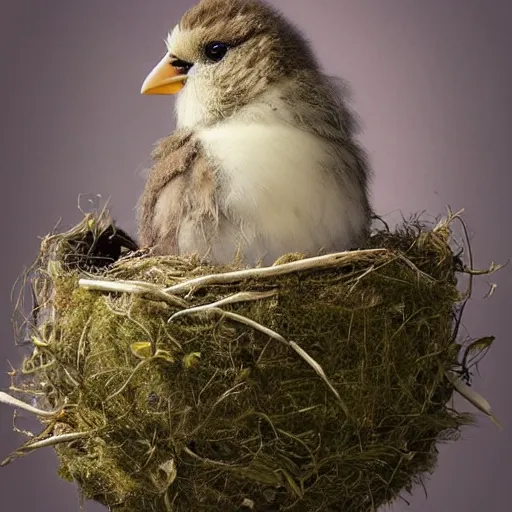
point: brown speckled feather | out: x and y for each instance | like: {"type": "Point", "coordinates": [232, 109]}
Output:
{"type": "Point", "coordinates": [180, 187]}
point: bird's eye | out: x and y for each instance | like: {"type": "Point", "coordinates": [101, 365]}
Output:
{"type": "Point", "coordinates": [216, 51]}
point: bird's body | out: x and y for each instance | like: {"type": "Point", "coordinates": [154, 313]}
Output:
{"type": "Point", "coordinates": [263, 160]}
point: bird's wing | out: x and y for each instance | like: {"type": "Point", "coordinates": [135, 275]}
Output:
{"type": "Point", "coordinates": [179, 191]}
{"type": "Point", "coordinates": [172, 156]}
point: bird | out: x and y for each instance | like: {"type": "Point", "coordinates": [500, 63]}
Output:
{"type": "Point", "coordinates": [264, 159]}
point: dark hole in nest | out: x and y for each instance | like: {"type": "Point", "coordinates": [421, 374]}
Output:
{"type": "Point", "coordinates": [91, 250]}
{"type": "Point", "coordinates": [97, 250]}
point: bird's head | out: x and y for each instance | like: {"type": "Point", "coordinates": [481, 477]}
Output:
{"type": "Point", "coordinates": [223, 54]}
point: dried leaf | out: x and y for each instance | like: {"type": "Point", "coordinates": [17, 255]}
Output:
{"type": "Point", "coordinates": [192, 360]}
{"type": "Point", "coordinates": [477, 346]}
{"type": "Point", "coordinates": [141, 349]}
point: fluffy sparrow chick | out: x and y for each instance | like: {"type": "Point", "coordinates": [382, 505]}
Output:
{"type": "Point", "coordinates": [264, 158]}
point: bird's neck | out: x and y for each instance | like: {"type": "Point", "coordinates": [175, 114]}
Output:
{"type": "Point", "coordinates": [309, 104]}
{"type": "Point", "coordinates": [192, 113]}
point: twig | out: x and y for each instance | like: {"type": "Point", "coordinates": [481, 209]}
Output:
{"type": "Point", "coordinates": [14, 402]}
{"type": "Point", "coordinates": [493, 268]}
{"type": "Point", "coordinates": [53, 440]}
{"type": "Point", "coordinates": [50, 441]}
{"type": "Point", "coordinates": [318, 262]}
{"type": "Point", "coordinates": [134, 287]}
{"type": "Point", "coordinates": [232, 299]}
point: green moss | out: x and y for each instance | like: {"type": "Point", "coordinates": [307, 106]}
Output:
{"type": "Point", "coordinates": [212, 413]}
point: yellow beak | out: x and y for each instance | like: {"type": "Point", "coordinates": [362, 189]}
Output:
{"type": "Point", "coordinates": [163, 79]}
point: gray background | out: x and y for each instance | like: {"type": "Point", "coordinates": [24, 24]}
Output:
{"type": "Point", "coordinates": [432, 82]}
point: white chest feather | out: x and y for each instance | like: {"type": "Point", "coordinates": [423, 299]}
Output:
{"type": "Point", "coordinates": [277, 189]}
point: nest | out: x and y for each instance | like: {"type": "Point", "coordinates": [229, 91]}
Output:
{"type": "Point", "coordinates": [319, 384]}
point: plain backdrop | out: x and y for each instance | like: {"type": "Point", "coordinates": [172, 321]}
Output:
{"type": "Point", "coordinates": [432, 82]}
